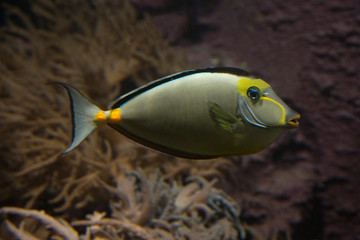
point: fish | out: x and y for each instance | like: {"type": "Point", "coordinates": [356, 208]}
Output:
{"type": "Point", "coordinates": [197, 114]}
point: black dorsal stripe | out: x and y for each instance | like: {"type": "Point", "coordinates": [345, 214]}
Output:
{"type": "Point", "coordinates": [138, 91]}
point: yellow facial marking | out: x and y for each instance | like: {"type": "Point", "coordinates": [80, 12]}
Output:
{"type": "Point", "coordinates": [100, 117]}
{"type": "Point", "coordinates": [282, 119]}
{"type": "Point", "coordinates": [115, 116]}
{"type": "Point", "coordinates": [245, 83]}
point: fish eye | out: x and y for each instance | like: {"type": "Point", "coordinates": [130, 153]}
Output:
{"type": "Point", "coordinates": [254, 93]}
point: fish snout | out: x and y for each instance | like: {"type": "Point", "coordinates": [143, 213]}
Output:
{"type": "Point", "coordinates": [294, 121]}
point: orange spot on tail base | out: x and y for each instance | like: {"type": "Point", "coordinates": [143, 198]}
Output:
{"type": "Point", "coordinates": [115, 116]}
{"type": "Point", "coordinates": [100, 117]}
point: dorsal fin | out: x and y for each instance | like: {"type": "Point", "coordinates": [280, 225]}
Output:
{"type": "Point", "coordinates": [124, 98]}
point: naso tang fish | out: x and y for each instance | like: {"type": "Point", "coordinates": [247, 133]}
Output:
{"type": "Point", "coordinates": [199, 114]}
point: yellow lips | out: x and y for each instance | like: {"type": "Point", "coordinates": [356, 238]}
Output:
{"type": "Point", "coordinates": [294, 122]}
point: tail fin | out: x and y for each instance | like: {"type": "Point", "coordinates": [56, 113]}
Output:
{"type": "Point", "coordinates": [83, 116]}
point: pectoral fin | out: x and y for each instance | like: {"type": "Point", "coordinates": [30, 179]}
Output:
{"type": "Point", "coordinates": [223, 118]}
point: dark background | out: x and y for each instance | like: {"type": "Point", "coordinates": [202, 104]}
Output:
{"type": "Point", "coordinates": [309, 51]}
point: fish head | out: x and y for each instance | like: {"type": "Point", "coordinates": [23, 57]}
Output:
{"type": "Point", "coordinates": [260, 106]}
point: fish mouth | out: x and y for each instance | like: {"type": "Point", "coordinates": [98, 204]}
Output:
{"type": "Point", "coordinates": [294, 122]}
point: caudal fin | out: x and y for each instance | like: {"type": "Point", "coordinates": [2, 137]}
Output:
{"type": "Point", "coordinates": [83, 116]}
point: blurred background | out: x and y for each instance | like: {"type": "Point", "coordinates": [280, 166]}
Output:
{"type": "Point", "coordinates": [305, 186]}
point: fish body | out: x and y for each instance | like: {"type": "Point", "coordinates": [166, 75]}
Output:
{"type": "Point", "coordinates": [199, 114]}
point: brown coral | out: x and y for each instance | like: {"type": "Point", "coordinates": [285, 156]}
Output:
{"type": "Point", "coordinates": [143, 208]}
{"type": "Point", "coordinates": [99, 46]}
{"type": "Point", "coordinates": [104, 49]}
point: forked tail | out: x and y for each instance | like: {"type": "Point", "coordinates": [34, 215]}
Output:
{"type": "Point", "coordinates": [85, 116]}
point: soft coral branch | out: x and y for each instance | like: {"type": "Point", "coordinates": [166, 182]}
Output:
{"type": "Point", "coordinates": [127, 226]}
{"type": "Point", "coordinates": [60, 227]}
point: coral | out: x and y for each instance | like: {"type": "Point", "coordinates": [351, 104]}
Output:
{"type": "Point", "coordinates": [303, 187]}
{"type": "Point", "coordinates": [142, 208]}
{"type": "Point", "coordinates": [103, 48]}
{"type": "Point", "coordinates": [59, 227]}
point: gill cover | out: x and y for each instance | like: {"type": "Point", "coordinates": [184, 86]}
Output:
{"type": "Point", "coordinates": [261, 107]}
